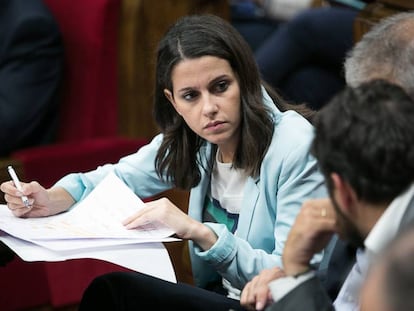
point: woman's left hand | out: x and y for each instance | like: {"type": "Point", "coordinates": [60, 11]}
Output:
{"type": "Point", "coordinates": [165, 213]}
{"type": "Point", "coordinates": [256, 294]}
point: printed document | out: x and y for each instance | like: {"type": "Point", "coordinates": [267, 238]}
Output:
{"type": "Point", "coordinates": [92, 229]}
{"type": "Point", "coordinates": [99, 215]}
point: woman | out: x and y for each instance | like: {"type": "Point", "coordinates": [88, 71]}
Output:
{"type": "Point", "coordinates": [246, 163]}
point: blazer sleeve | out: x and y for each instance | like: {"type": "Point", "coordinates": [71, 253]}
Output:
{"type": "Point", "coordinates": [310, 296]}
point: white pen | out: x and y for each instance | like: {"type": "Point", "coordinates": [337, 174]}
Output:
{"type": "Point", "coordinates": [18, 185]}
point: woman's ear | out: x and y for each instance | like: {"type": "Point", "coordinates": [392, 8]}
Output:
{"type": "Point", "coordinates": [170, 98]}
{"type": "Point", "coordinates": [169, 95]}
{"type": "Point", "coordinates": [344, 194]}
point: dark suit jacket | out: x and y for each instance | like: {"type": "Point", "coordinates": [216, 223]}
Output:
{"type": "Point", "coordinates": [338, 259]}
{"type": "Point", "coordinates": [309, 296]}
{"type": "Point", "coordinates": [31, 60]}
{"type": "Point", "coordinates": [312, 295]}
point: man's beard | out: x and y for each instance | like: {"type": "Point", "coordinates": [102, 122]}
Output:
{"type": "Point", "coordinates": [349, 231]}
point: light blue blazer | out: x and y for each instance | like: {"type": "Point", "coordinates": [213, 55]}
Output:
{"type": "Point", "coordinates": [288, 176]}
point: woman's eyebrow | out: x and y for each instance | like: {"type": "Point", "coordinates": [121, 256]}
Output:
{"type": "Point", "coordinates": [186, 89]}
{"type": "Point", "coordinates": [216, 79]}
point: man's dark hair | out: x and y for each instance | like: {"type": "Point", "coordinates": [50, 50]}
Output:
{"type": "Point", "coordinates": [366, 135]}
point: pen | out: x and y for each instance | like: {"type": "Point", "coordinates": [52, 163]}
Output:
{"type": "Point", "coordinates": [18, 185]}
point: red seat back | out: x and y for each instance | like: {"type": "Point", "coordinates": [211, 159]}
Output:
{"type": "Point", "coordinates": [89, 91]}
{"type": "Point", "coordinates": [87, 138]}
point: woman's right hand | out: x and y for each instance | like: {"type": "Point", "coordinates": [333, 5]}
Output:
{"type": "Point", "coordinates": [42, 202]}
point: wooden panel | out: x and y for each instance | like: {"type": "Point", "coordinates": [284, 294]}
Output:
{"type": "Point", "coordinates": [369, 16]}
{"type": "Point", "coordinates": [402, 4]}
{"type": "Point", "coordinates": [143, 22]}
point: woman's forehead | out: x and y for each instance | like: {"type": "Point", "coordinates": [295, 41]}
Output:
{"type": "Point", "coordinates": [199, 70]}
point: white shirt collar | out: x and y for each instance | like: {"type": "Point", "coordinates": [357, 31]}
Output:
{"type": "Point", "coordinates": [388, 225]}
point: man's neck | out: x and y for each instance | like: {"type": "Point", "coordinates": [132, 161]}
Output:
{"type": "Point", "coordinates": [369, 215]}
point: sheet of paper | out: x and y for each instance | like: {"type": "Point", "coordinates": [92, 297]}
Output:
{"type": "Point", "coordinates": [80, 244]}
{"type": "Point", "coordinates": [99, 215]}
{"type": "Point", "coordinates": [148, 258]}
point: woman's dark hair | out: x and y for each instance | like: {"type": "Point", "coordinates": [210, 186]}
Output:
{"type": "Point", "coordinates": [207, 35]}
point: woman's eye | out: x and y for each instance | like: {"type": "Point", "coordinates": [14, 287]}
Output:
{"type": "Point", "coordinates": [221, 86]}
{"type": "Point", "coordinates": [189, 96]}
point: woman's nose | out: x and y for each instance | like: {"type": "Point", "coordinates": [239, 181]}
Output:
{"type": "Point", "coordinates": [209, 105]}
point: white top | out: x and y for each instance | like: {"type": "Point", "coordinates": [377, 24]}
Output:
{"type": "Point", "coordinates": [227, 185]}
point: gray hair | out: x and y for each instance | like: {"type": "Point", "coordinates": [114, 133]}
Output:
{"type": "Point", "coordinates": [385, 52]}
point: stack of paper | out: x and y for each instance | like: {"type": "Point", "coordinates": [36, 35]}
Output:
{"type": "Point", "coordinates": [92, 229]}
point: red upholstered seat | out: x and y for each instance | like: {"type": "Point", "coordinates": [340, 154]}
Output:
{"type": "Point", "coordinates": [87, 137]}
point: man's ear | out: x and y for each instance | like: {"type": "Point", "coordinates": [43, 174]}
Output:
{"type": "Point", "coordinates": [344, 194]}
